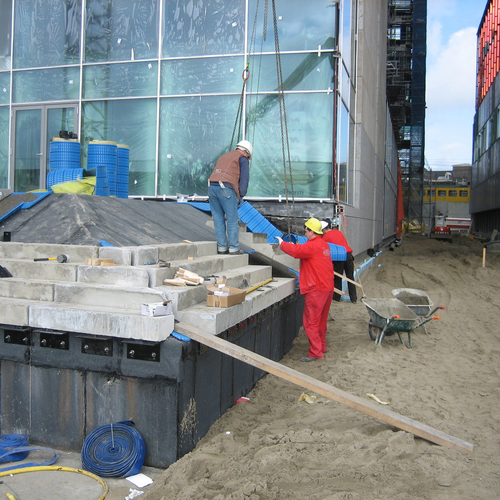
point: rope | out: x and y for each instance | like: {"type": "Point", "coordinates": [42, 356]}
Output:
{"type": "Point", "coordinates": [115, 450]}
{"type": "Point", "coordinates": [283, 123]}
{"type": "Point", "coordinates": [63, 469]}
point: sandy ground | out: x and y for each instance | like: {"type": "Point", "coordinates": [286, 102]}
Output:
{"type": "Point", "coordinates": [275, 447]}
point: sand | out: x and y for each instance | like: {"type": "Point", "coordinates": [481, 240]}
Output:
{"type": "Point", "coordinates": [275, 447]}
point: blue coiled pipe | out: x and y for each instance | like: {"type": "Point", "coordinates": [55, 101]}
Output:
{"type": "Point", "coordinates": [114, 450]}
{"type": "Point", "coordinates": [9, 442]}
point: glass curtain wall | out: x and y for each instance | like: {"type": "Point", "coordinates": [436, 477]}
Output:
{"type": "Point", "coordinates": [164, 77]}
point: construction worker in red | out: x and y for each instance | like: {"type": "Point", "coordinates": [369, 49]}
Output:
{"type": "Point", "coordinates": [315, 283]}
{"type": "Point", "coordinates": [332, 234]}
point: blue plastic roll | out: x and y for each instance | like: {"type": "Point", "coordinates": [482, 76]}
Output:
{"type": "Point", "coordinates": [64, 154]}
{"type": "Point", "coordinates": [63, 175]}
{"type": "Point", "coordinates": [10, 441]}
{"type": "Point", "coordinates": [115, 450]}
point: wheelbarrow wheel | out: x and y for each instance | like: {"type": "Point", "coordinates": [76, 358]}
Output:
{"type": "Point", "coordinates": [373, 331]}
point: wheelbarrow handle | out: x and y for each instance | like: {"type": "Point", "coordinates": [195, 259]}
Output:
{"type": "Point", "coordinates": [434, 310]}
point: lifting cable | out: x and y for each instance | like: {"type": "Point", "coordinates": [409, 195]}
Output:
{"type": "Point", "coordinates": [283, 122]}
{"type": "Point", "coordinates": [285, 145]}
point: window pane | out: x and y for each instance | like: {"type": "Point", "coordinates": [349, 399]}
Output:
{"type": "Point", "coordinates": [46, 85]}
{"type": "Point", "coordinates": [343, 152]}
{"type": "Point", "coordinates": [121, 30]}
{"type": "Point", "coordinates": [4, 88]}
{"type": "Point", "coordinates": [4, 146]}
{"type": "Point", "coordinates": [299, 71]}
{"type": "Point", "coordinates": [120, 80]}
{"type": "Point", "coordinates": [346, 33]}
{"type": "Point", "coordinates": [47, 33]}
{"type": "Point", "coordinates": [130, 122]}
{"type": "Point", "coordinates": [301, 25]}
{"type": "Point", "coordinates": [5, 26]}
{"type": "Point", "coordinates": [189, 149]}
{"type": "Point", "coordinates": [207, 75]}
{"type": "Point", "coordinates": [309, 121]}
{"type": "Point", "coordinates": [195, 28]}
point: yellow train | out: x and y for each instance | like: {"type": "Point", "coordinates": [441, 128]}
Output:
{"type": "Point", "coordinates": [453, 194]}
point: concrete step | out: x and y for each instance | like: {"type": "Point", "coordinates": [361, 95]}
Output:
{"type": "Point", "coordinates": [30, 251]}
{"type": "Point", "coordinates": [20, 288]}
{"type": "Point", "coordinates": [241, 277]}
{"type": "Point", "coordinates": [51, 270]}
{"type": "Point", "coordinates": [203, 266]}
{"type": "Point", "coordinates": [100, 321]}
{"type": "Point", "coordinates": [215, 320]}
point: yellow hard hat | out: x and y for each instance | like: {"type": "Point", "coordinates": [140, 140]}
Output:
{"type": "Point", "coordinates": [314, 225]}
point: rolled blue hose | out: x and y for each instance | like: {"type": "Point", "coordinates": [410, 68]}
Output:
{"type": "Point", "coordinates": [114, 450]}
{"type": "Point", "coordinates": [10, 441]}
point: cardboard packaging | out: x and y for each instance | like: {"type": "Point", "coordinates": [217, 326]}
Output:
{"type": "Point", "coordinates": [221, 295]}
{"type": "Point", "coordinates": [157, 309]}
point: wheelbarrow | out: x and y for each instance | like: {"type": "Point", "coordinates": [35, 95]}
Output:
{"type": "Point", "coordinates": [417, 300]}
{"type": "Point", "coordinates": [390, 316]}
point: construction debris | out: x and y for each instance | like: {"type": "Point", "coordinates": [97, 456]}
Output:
{"type": "Point", "coordinates": [184, 277]}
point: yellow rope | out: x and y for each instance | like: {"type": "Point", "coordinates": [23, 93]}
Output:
{"type": "Point", "coordinates": [56, 468]}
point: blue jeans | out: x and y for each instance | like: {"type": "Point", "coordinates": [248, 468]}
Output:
{"type": "Point", "coordinates": [224, 207]}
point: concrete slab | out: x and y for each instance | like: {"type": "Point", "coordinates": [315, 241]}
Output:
{"type": "Point", "coordinates": [30, 251]}
{"type": "Point", "coordinates": [215, 320]}
{"type": "Point", "coordinates": [121, 255]}
{"type": "Point", "coordinates": [111, 275]}
{"type": "Point", "coordinates": [19, 288]}
{"type": "Point", "coordinates": [100, 321]}
{"type": "Point", "coordinates": [110, 296]}
{"type": "Point", "coordinates": [15, 312]}
{"type": "Point", "coordinates": [50, 271]}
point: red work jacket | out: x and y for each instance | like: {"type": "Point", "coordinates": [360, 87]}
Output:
{"type": "Point", "coordinates": [316, 270]}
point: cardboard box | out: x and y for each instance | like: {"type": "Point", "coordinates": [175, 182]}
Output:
{"type": "Point", "coordinates": [157, 309]}
{"type": "Point", "coordinates": [220, 295]}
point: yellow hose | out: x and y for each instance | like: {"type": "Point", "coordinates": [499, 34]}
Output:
{"type": "Point", "coordinates": [56, 468]}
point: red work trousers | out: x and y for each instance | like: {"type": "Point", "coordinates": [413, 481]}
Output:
{"type": "Point", "coordinates": [316, 307]}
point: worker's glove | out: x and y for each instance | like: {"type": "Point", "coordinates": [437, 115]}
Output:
{"type": "Point", "coordinates": [280, 240]}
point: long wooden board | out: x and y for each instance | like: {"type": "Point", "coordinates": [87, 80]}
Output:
{"type": "Point", "coordinates": [329, 391]}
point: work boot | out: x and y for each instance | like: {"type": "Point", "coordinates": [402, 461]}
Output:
{"type": "Point", "coordinates": [306, 359]}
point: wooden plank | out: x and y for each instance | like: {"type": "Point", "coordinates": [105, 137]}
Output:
{"type": "Point", "coordinates": [365, 406]}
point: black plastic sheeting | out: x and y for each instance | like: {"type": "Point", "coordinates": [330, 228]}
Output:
{"type": "Point", "coordinates": [71, 219]}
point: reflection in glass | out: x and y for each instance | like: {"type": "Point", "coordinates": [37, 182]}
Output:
{"type": "Point", "coordinates": [121, 30]}
{"type": "Point", "coordinates": [4, 146]}
{"type": "Point", "coordinates": [346, 33]}
{"type": "Point", "coordinates": [309, 123]}
{"type": "Point", "coordinates": [120, 80]}
{"type": "Point", "coordinates": [59, 119]}
{"type": "Point", "coordinates": [342, 152]}
{"type": "Point", "coordinates": [196, 28]}
{"type": "Point", "coordinates": [301, 25]}
{"type": "Point", "coordinates": [194, 132]}
{"type": "Point", "coordinates": [27, 155]}
{"type": "Point", "coordinates": [207, 75]}
{"type": "Point", "coordinates": [46, 33]}
{"type": "Point", "coordinates": [5, 34]}
{"type": "Point", "coordinates": [4, 88]}
{"type": "Point", "coordinates": [299, 71]}
{"type": "Point", "coordinates": [46, 85]}
{"type": "Point", "coordinates": [130, 122]}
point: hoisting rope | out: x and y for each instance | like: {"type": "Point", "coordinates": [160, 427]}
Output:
{"type": "Point", "coordinates": [283, 122]}
{"type": "Point", "coordinates": [239, 115]}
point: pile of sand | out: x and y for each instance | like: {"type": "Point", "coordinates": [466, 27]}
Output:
{"type": "Point", "coordinates": [275, 447]}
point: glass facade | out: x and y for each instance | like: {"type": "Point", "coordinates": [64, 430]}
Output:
{"type": "Point", "coordinates": [165, 77]}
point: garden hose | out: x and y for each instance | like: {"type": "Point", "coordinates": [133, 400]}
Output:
{"type": "Point", "coordinates": [56, 468]}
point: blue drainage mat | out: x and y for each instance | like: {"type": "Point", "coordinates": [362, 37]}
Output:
{"type": "Point", "coordinates": [255, 222]}
{"type": "Point", "coordinates": [24, 204]}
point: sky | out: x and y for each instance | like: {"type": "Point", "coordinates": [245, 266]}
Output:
{"type": "Point", "coordinates": [452, 27]}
